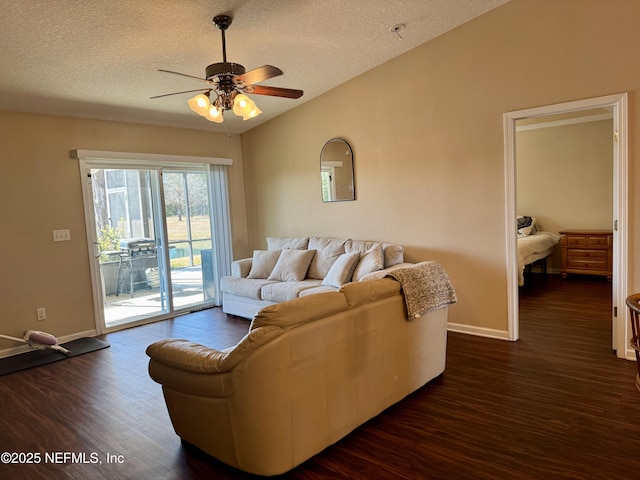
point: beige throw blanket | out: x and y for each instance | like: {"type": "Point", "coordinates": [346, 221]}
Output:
{"type": "Point", "coordinates": [426, 287]}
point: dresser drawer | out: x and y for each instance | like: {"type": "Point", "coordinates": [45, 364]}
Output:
{"type": "Point", "coordinates": [592, 241]}
{"type": "Point", "coordinates": [604, 241]}
{"type": "Point", "coordinates": [584, 253]}
{"type": "Point", "coordinates": [576, 240]}
{"type": "Point", "coordinates": [582, 263]}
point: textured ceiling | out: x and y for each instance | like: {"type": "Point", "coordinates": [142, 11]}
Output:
{"type": "Point", "coordinates": [100, 58]}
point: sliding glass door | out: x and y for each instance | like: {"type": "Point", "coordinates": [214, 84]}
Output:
{"type": "Point", "coordinates": [151, 231]}
{"type": "Point", "coordinates": [188, 234]}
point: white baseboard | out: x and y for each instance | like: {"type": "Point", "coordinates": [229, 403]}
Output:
{"type": "Point", "coordinates": [22, 348]}
{"type": "Point", "coordinates": [478, 331]}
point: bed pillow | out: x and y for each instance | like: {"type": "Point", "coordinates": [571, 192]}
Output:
{"type": "Point", "coordinates": [526, 225]}
{"type": "Point", "coordinates": [263, 263]}
{"type": "Point", "coordinates": [292, 265]}
{"type": "Point", "coordinates": [342, 270]}
{"type": "Point", "coordinates": [524, 221]}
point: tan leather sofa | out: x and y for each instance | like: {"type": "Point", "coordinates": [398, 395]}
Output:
{"type": "Point", "coordinates": [309, 371]}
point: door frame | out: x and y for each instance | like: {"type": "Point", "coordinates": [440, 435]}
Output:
{"type": "Point", "coordinates": [620, 330]}
{"type": "Point", "coordinates": [220, 222]}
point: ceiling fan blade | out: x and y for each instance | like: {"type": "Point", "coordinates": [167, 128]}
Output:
{"type": "Point", "coordinates": [180, 93]}
{"type": "Point", "coordinates": [273, 91]}
{"type": "Point", "coordinates": [185, 75]}
{"type": "Point", "coordinates": [258, 75]}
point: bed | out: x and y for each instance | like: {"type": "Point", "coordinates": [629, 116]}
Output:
{"type": "Point", "coordinates": [533, 244]}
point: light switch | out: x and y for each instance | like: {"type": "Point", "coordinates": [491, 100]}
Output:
{"type": "Point", "coordinates": [61, 235]}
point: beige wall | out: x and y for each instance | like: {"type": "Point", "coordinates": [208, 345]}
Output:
{"type": "Point", "coordinates": [426, 129]}
{"type": "Point", "coordinates": [40, 191]}
{"type": "Point", "coordinates": [565, 177]}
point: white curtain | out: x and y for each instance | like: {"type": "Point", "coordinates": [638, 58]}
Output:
{"type": "Point", "coordinates": [220, 225]}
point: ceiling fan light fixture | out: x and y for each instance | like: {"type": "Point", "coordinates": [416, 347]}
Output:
{"type": "Point", "coordinates": [200, 103]}
{"type": "Point", "coordinates": [226, 80]}
{"type": "Point", "coordinates": [253, 113]}
{"type": "Point", "coordinates": [243, 105]}
{"type": "Point", "coordinates": [214, 114]}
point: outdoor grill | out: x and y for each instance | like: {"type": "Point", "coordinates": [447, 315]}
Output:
{"type": "Point", "coordinates": [136, 255]}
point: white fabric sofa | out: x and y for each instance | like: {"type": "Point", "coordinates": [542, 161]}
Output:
{"type": "Point", "coordinates": [294, 267]}
{"type": "Point", "coordinates": [307, 373]}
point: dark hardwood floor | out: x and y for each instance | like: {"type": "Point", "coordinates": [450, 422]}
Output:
{"type": "Point", "coordinates": [557, 404]}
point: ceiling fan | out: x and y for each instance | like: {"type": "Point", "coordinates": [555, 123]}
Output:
{"type": "Point", "coordinates": [229, 82]}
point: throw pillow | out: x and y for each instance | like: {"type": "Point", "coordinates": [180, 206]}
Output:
{"type": "Point", "coordinates": [370, 261]}
{"type": "Point", "coordinates": [342, 270]}
{"type": "Point", "coordinates": [327, 251]}
{"type": "Point", "coordinates": [292, 265]}
{"type": "Point", "coordinates": [393, 254]}
{"type": "Point", "coordinates": [263, 263]}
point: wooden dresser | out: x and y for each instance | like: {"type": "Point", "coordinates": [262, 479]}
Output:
{"type": "Point", "coordinates": [587, 252]}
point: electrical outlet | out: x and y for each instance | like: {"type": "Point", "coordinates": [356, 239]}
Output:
{"type": "Point", "coordinates": [61, 235]}
{"type": "Point", "coordinates": [42, 314]}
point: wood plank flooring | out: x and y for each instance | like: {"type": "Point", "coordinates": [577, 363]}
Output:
{"type": "Point", "coordinates": [557, 404]}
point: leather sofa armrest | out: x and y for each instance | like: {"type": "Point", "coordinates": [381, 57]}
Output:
{"type": "Point", "coordinates": [187, 356]}
{"type": "Point", "coordinates": [241, 268]}
{"type": "Point", "coordinates": [194, 357]}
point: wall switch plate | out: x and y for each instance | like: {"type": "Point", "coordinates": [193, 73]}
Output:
{"type": "Point", "coordinates": [41, 313]}
{"type": "Point", "coordinates": [61, 235]}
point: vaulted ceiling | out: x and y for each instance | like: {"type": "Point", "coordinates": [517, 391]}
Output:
{"type": "Point", "coordinates": [100, 58]}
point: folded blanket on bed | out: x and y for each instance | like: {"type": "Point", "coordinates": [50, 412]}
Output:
{"type": "Point", "coordinates": [426, 287]}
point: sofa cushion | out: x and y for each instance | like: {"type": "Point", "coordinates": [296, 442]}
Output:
{"type": "Point", "coordinates": [283, 291]}
{"type": "Point", "coordinates": [292, 265]}
{"type": "Point", "coordinates": [263, 262]}
{"type": "Point", "coordinates": [300, 310]}
{"type": "Point", "coordinates": [327, 251]}
{"type": "Point", "coordinates": [371, 257]}
{"type": "Point", "coordinates": [293, 243]}
{"type": "Point", "coordinates": [318, 289]}
{"type": "Point", "coordinates": [244, 287]}
{"type": "Point", "coordinates": [342, 270]}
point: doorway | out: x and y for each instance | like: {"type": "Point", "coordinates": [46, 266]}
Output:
{"type": "Point", "coordinates": [617, 104]}
{"type": "Point", "coordinates": [157, 246]}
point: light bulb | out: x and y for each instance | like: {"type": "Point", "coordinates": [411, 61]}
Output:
{"type": "Point", "coordinates": [214, 114]}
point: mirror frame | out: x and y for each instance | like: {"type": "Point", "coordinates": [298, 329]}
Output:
{"type": "Point", "coordinates": [350, 186]}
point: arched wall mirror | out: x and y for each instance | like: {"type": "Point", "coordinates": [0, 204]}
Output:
{"type": "Point", "coordinates": [336, 171]}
